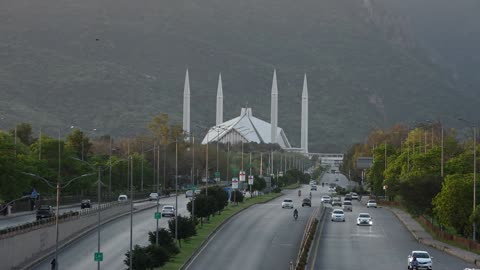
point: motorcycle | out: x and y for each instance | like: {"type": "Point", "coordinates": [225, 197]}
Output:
{"type": "Point", "coordinates": [295, 216]}
{"type": "Point", "coordinates": [299, 193]}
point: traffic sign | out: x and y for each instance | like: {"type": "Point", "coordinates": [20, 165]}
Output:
{"type": "Point", "coordinates": [235, 183]}
{"type": "Point", "coordinates": [217, 174]}
{"type": "Point", "coordinates": [98, 257]}
{"type": "Point", "coordinates": [158, 215]}
{"type": "Point", "coordinates": [242, 176]}
{"type": "Point", "coordinates": [250, 179]}
{"type": "Point", "coordinates": [385, 187]}
{"type": "Point", "coordinates": [280, 174]}
{"type": "Point", "coordinates": [194, 188]}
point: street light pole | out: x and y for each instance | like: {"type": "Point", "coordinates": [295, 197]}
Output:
{"type": "Point", "coordinates": [206, 168]}
{"type": "Point", "coordinates": [131, 212]}
{"type": "Point", "coordinates": [442, 158]}
{"type": "Point", "coordinates": [98, 209]}
{"type": "Point", "coordinates": [474, 176]}
{"type": "Point", "coordinates": [193, 176]}
{"type": "Point", "coordinates": [176, 190]}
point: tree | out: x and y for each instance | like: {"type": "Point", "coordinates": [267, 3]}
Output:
{"type": "Point", "coordinates": [165, 240]}
{"type": "Point", "coordinates": [203, 206]}
{"type": "Point", "coordinates": [79, 143]}
{"type": "Point", "coordinates": [418, 192]}
{"type": "Point", "coordinates": [453, 205]}
{"type": "Point", "coordinates": [219, 196]}
{"type": "Point", "coordinates": [185, 228]}
{"type": "Point", "coordinates": [259, 183]}
{"type": "Point", "coordinates": [24, 133]}
{"type": "Point", "coordinates": [149, 257]}
{"type": "Point", "coordinates": [237, 196]}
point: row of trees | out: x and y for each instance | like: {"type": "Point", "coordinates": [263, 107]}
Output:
{"type": "Point", "coordinates": [429, 177]}
{"type": "Point", "coordinates": [153, 155]}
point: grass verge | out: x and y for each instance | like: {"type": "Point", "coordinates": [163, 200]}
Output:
{"type": "Point", "coordinates": [292, 186]}
{"type": "Point", "coordinates": [190, 245]}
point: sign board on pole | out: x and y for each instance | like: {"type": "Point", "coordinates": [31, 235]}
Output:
{"type": "Point", "coordinates": [280, 174]}
{"type": "Point", "coordinates": [250, 179]}
{"type": "Point", "coordinates": [385, 187]}
{"type": "Point", "coordinates": [158, 215]}
{"type": "Point", "coordinates": [235, 183]}
{"type": "Point", "coordinates": [242, 176]}
{"type": "Point", "coordinates": [98, 257]}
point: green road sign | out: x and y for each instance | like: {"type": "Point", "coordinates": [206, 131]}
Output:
{"type": "Point", "coordinates": [194, 188]}
{"type": "Point", "coordinates": [158, 215]}
{"type": "Point", "coordinates": [217, 174]}
{"type": "Point", "coordinates": [98, 256]}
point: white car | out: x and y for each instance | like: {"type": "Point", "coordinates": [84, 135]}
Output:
{"type": "Point", "coordinates": [326, 199]}
{"type": "Point", "coordinates": [423, 258]}
{"type": "Point", "coordinates": [153, 196]}
{"type": "Point", "coordinates": [355, 196]}
{"type": "Point", "coordinates": [122, 198]}
{"type": "Point", "coordinates": [168, 210]}
{"type": "Point", "coordinates": [347, 206]}
{"type": "Point", "coordinates": [189, 194]}
{"type": "Point", "coordinates": [371, 203]}
{"type": "Point", "coordinates": [338, 215]}
{"type": "Point", "coordinates": [287, 203]}
{"type": "Point", "coordinates": [364, 219]}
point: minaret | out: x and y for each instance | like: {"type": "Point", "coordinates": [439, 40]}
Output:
{"type": "Point", "coordinates": [274, 108]}
{"type": "Point", "coordinates": [186, 104]}
{"type": "Point", "coordinates": [304, 127]}
{"type": "Point", "coordinates": [219, 120]}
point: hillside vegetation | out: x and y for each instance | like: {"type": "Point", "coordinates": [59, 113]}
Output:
{"type": "Point", "coordinates": [363, 68]}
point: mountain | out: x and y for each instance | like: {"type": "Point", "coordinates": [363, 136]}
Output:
{"type": "Point", "coordinates": [113, 64]}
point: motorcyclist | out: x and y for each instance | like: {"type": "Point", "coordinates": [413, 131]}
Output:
{"type": "Point", "coordinates": [414, 263]}
{"type": "Point", "coordinates": [295, 213]}
{"type": "Point", "coordinates": [310, 195]}
{"type": "Point", "coordinates": [299, 193]}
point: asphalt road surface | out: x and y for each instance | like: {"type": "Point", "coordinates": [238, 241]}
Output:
{"type": "Point", "coordinates": [115, 240]}
{"type": "Point", "coordinates": [384, 245]}
{"type": "Point", "coordinates": [19, 220]}
{"type": "Point", "coordinates": [265, 236]}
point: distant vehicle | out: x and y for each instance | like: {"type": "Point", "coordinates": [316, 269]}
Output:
{"type": "Point", "coordinates": [347, 206]}
{"type": "Point", "coordinates": [189, 194]}
{"type": "Point", "coordinates": [364, 219]}
{"type": "Point", "coordinates": [198, 191]}
{"type": "Point", "coordinates": [313, 187]}
{"type": "Point", "coordinates": [336, 201]}
{"type": "Point", "coordinates": [306, 202]}
{"type": "Point", "coordinates": [371, 203]}
{"type": "Point", "coordinates": [287, 203]}
{"type": "Point", "coordinates": [348, 197]}
{"type": "Point", "coordinates": [313, 182]}
{"type": "Point", "coordinates": [423, 258]}
{"type": "Point", "coordinates": [168, 210]}
{"type": "Point", "coordinates": [355, 196]}
{"type": "Point", "coordinates": [338, 215]}
{"type": "Point", "coordinates": [153, 196]}
{"type": "Point", "coordinates": [85, 204]}
{"type": "Point", "coordinates": [44, 211]}
{"type": "Point", "coordinates": [325, 199]}
{"type": "Point", "coordinates": [122, 198]}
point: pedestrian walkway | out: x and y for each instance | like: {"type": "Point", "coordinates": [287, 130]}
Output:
{"type": "Point", "coordinates": [425, 238]}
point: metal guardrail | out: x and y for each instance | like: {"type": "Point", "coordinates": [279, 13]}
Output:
{"type": "Point", "coordinates": [306, 234]}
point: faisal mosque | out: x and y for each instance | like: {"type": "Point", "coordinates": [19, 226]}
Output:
{"type": "Point", "coordinates": [246, 127]}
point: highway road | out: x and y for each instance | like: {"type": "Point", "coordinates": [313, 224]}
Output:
{"type": "Point", "coordinates": [386, 244]}
{"type": "Point", "coordinates": [115, 240]}
{"type": "Point", "coordinates": [30, 217]}
{"type": "Point", "coordinates": [265, 236]}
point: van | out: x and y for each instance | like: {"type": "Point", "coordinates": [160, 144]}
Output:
{"type": "Point", "coordinates": [122, 198]}
{"type": "Point", "coordinates": [347, 206]}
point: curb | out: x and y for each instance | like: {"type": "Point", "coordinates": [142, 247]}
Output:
{"type": "Point", "coordinates": [442, 247]}
{"type": "Point", "coordinates": [77, 237]}
{"type": "Point", "coordinates": [204, 242]}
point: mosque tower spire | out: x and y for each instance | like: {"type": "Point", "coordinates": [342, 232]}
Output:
{"type": "Point", "coordinates": [186, 104]}
{"type": "Point", "coordinates": [274, 108]}
{"type": "Point", "coordinates": [219, 118]}
{"type": "Point", "coordinates": [304, 123]}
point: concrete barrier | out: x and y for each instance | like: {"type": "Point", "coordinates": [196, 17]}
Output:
{"type": "Point", "coordinates": [20, 248]}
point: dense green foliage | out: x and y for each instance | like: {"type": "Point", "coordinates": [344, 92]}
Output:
{"type": "Point", "coordinates": [407, 168]}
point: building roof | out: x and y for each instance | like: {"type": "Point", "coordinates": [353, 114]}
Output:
{"type": "Point", "coordinates": [246, 128]}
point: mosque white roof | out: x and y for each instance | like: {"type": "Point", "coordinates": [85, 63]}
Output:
{"type": "Point", "coordinates": [246, 128]}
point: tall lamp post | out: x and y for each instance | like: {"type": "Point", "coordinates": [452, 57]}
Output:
{"type": "Point", "coordinates": [57, 186]}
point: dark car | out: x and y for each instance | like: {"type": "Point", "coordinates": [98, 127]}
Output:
{"type": "Point", "coordinates": [306, 202]}
{"type": "Point", "coordinates": [44, 211]}
{"type": "Point", "coordinates": [85, 204]}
